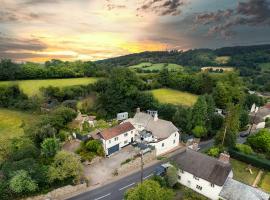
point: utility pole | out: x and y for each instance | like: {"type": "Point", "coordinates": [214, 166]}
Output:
{"type": "Point", "coordinates": [225, 131]}
{"type": "Point", "coordinates": [141, 166]}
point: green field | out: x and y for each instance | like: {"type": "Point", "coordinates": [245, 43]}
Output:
{"type": "Point", "coordinates": [31, 87]}
{"type": "Point", "coordinates": [265, 182]}
{"type": "Point", "coordinates": [222, 59]}
{"type": "Point", "coordinates": [11, 122]}
{"type": "Point", "coordinates": [265, 67]}
{"type": "Point", "coordinates": [147, 66]}
{"type": "Point", "coordinates": [174, 97]}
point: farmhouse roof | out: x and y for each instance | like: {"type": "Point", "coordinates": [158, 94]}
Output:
{"type": "Point", "coordinates": [234, 190]}
{"type": "Point", "coordinates": [117, 130]}
{"type": "Point", "coordinates": [160, 128]}
{"type": "Point", "coordinates": [203, 166]}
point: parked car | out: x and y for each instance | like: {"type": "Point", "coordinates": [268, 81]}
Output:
{"type": "Point", "coordinates": [244, 134]}
{"type": "Point", "coordinates": [161, 169]}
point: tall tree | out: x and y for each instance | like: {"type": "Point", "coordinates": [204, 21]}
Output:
{"type": "Point", "coordinates": [149, 190]}
{"type": "Point", "coordinates": [228, 134]}
{"type": "Point", "coordinates": [199, 112]}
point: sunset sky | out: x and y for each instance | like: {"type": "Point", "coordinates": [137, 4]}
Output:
{"type": "Point", "coordinates": [38, 30]}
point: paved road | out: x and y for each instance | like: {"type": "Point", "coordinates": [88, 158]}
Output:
{"type": "Point", "coordinates": [116, 190]}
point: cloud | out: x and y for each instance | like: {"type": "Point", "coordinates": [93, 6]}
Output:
{"type": "Point", "coordinates": [252, 13]}
{"type": "Point", "coordinates": [162, 7]}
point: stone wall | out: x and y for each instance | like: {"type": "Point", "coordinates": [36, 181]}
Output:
{"type": "Point", "coordinates": [136, 163]}
{"type": "Point", "coordinates": [60, 193]}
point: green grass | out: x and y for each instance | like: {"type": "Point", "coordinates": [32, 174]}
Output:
{"type": "Point", "coordinates": [174, 97]}
{"type": "Point", "coordinates": [157, 67]}
{"type": "Point", "coordinates": [241, 174]}
{"type": "Point", "coordinates": [265, 67]}
{"type": "Point", "coordinates": [222, 59]}
{"type": "Point", "coordinates": [265, 182]}
{"type": "Point", "coordinates": [11, 122]}
{"type": "Point", "coordinates": [31, 87]}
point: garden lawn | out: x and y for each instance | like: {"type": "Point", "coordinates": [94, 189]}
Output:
{"type": "Point", "coordinates": [11, 122]}
{"type": "Point", "coordinates": [174, 97]}
{"type": "Point", "coordinates": [241, 174]}
{"type": "Point", "coordinates": [265, 182]}
{"type": "Point", "coordinates": [31, 87]}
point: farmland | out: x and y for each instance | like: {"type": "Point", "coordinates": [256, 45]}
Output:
{"type": "Point", "coordinates": [31, 87]}
{"type": "Point", "coordinates": [149, 67]}
{"type": "Point", "coordinates": [174, 97]}
{"type": "Point", "coordinates": [11, 122]}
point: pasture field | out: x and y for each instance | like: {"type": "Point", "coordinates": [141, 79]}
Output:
{"type": "Point", "coordinates": [265, 182]}
{"type": "Point", "coordinates": [225, 69]}
{"type": "Point", "coordinates": [11, 122]}
{"type": "Point", "coordinates": [31, 87]}
{"type": "Point", "coordinates": [265, 67]}
{"type": "Point", "coordinates": [146, 66]}
{"type": "Point", "coordinates": [222, 59]}
{"type": "Point", "coordinates": [174, 97]}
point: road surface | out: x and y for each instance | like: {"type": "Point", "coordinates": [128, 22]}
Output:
{"type": "Point", "coordinates": [117, 189]}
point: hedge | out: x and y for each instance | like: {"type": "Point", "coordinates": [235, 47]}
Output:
{"type": "Point", "coordinates": [250, 159]}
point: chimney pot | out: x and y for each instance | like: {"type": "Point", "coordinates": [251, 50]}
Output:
{"type": "Point", "coordinates": [224, 157]}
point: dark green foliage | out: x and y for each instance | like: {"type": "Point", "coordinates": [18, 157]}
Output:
{"type": "Point", "coordinates": [12, 97]}
{"type": "Point", "coordinates": [246, 149]}
{"type": "Point", "coordinates": [121, 94]}
{"type": "Point", "coordinates": [244, 119]}
{"type": "Point", "coordinates": [251, 159]}
{"type": "Point", "coordinates": [90, 149]}
{"type": "Point", "coordinates": [52, 69]}
{"type": "Point", "coordinates": [182, 118]}
{"type": "Point", "coordinates": [250, 99]}
{"type": "Point", "coordinates": [260, 141]}
{"type": "Point", "coordinates": [49, 147]}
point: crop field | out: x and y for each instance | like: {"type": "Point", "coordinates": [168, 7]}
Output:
{"type": "Point", "coordinates": [11, 122]}
{"type": "Point", "coordinates": [222, 59]}
{"type": "Point", "coordinates": [31, 87]}
{"type": "Point", "coordinates": [146, 66]}
{"type": "Point", "coordinates": [174, 97]}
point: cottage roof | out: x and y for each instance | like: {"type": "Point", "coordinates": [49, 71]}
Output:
{"type": "Point", "coordinates": [234, 190]}
{"type": "Point", "coordinates": [117, 130]}
{"type": "Point", "coordinates": [160, 128]}
{"type": "Point", "coordinates": [203, 166]}
{"type": "Point", "coordinates": [260, 116]}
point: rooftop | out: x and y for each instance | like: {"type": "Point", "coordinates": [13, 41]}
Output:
{"type": "Point", "coordinates": [117, 130]}
{"type": "Point", "coordinates": [160, 128]}
{"type": "Point", "coordinates": [203, 166]}
{"type": "Point", "coordinates": [235, 190]}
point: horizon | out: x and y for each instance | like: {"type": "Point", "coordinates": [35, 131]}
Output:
{"type": "Point", "coordinates": [96, 30]}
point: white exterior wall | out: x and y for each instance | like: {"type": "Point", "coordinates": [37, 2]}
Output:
{"type": "Point", "coordinates": [167, 144]}
{"type": "Point", "coordinates": [260, 125]}
{"type": "Point", "coordinates": [122, 140]}
{"type": "Point", "coordinates": [188, 180]}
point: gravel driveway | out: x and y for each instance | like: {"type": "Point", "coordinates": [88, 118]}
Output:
{"type": "Point", "coordinates": [102, 171]}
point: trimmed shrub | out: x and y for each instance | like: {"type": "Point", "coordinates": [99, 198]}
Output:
{"type": "Point", "coordinates": [250, 159]}
{"type": "Point", "coordinates": [246, 149]}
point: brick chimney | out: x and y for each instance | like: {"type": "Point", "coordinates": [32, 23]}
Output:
{"type": "Point", "coordinates": [155, 117]}
{"type": "Point", "coordinates": [138, 110]}
{"type": "Point", "coordinates": [195, 146]}
{"type": "Point", "coordinates": [224, 157]}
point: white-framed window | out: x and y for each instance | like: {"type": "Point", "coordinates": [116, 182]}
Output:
{"type": "Point", "coordinates": [162, 144]}
{"type": "Point", "coordinates": [174, 141]}
{"type": "Point", "coordinates": [126, 134]}
{"type": "Point", "coordinates": [175, 135]}
{"type": "Point", "coordinates": [182, 171]}
{"type": "Point", "coordinates": [110, 141]}
{"type": "Point", "coordinates": [212, 185]}
{"type": "Point", "coordinates": [199, 187]}
{"type": "Point", "coordinates": [196, 178]}
{"type": "Point", "coordinates": [125, 142]}
{"type": "Point", "coordinates": [179, 177]}
{"type": "Point", "coordinates": [116, 138]}
{"type": "Point", "coordinates": [131, 132]}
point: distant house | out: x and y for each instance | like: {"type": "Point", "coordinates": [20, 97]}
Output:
{"type": "Point", "coordinates": [259, 115]}
{"type": "Point", "coordinates": [113, 139]}
{"type": "Point", "coordinates": [213, 177]}
{"type": "Point", "coordinates": [122, 116]}
{"type": "Point", "coordinates": [81, 118]}
{"type": "Point", "coordinates": [159, 133]}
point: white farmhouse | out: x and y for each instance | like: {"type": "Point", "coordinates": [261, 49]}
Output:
{"type": "Point", "coordinates": [161, 134]}
{"type": "Point", "coordinates": [213, 177]}
{"type": "Point", "coordinates": [258, 116]}
{"type": "Point", "coordinates": [113, 139]}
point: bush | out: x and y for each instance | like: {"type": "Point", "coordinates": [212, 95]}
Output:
{"type": "Point", "coordinates": [246, 149]}
{"type": "Point", "coordinates": [199, 131]}
{"type": "Point", "coordinates": [250, 159]}
{"type": "Point", "coordinates": [214, 151]}
{"type": "Point", "coordinates": [261, 141]}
